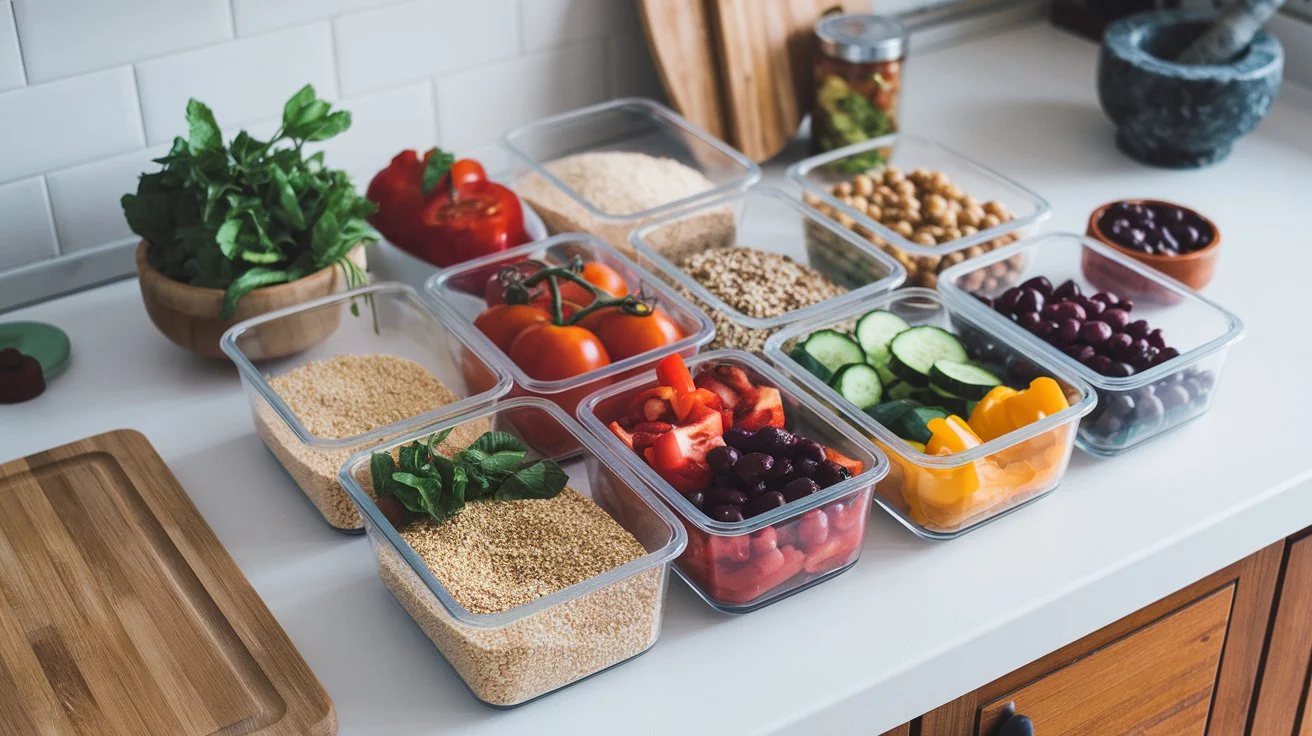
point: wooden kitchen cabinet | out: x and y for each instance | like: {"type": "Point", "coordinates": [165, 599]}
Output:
{"type": "Point", "coordinates": [1187, 664]}
{"type": "Point", "coordinates": [1284, 698]}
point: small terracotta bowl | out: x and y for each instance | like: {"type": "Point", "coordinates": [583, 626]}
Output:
{"type": "Point", "coordinates": [1194, 269]}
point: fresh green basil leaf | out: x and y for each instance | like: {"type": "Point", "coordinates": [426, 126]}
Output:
{"type": "Point", "coordinates": [324, 236]}
{"type": "Point", "coordinates": [226, 237]}
{"type": "Point", "coordinates": [287, 198]}
{"type": "Point", "coordinates": [494, 442]}
{"type": "Point", "coordinates": [292, 110]}
{"type": "Point", "coordinates": [246, 283]}
{"type": "Point", "coordinates": [330, 126]}
{"type": "Point", "coordinates": [203, 131]}
{"type": "Point", "coordinates": [542, 479]}
{"type": "Point", "coordinates": [439, 163]}
{"type": "Point", "coordinates": [381, 467]}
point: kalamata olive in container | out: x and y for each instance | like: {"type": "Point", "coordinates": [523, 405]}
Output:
{"type": "Point", "coordinates": [696, 498]}
{"type": "Point", "coordinates": [1029, 300]}
{"type": "Point", "coordinates": [1068, 330]}
{"type": "Point", "coordinates": [830, 473]}
{"type": "Point", "coordinates": [753, 467]}
{"type": "Point", "coordinates": [725, 497]}
{"type": "Point", "coordinates": [1173, 397]}
{"type": "Point", "coordinates": [1094, 334]}
{"type": "Point", "coordinates": [763, 503]}
{"type": "Point", "coordinates": [1068, 290]}
{"type": "Point", "coordinates": [783, 467]}
{"type": "Point", "coordinates": [799, 488]}
{"type": "Point", "coordinates": [1116, 345]}
{"type": "Point", "coordinates": [1040, 284]}
{"type": "Point", "coordinates": [1029, 320]}
{"type": "Point", "coordinates": [721, 459]}
{"type": "Point", "coordinates": [728, 514]}
{"type": "Point", "coordinates": [774, 441]}
{"type": "Point", "coordinates": [739, 438]}
{"type": "Point", "coordinates": [1116, 317]}
{"type": "Point", "coordinates": [808, 449]}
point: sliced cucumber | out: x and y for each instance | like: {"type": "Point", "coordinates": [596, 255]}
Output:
{"type": "Point", "coordinates": [875, 331]}
{"type": "Point", "coordinates": [809, 364]}
{"type": "Point", "coordinates": [830, 350]}
{"type": "Point", "coordinates": [914, 424]}
{"type": "Point", "coordinates": [898, 390]}
{"type": "Point", "coordinates": [890, 413]}
{"type": "Point", "coordinates": [887, 376]}
{"type": "Point", "coordinates": [948, 401]}
{"type": "Point", "coordinates": [914, 352]}
{"type": "Point", "coordinates": [965, 380]}
{"type": "Point", "coordinates": [859, 383]}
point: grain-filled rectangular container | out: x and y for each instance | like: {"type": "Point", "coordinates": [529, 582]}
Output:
{"type": "Point", "coordinates": [606, 168]}
{"type": "Point", "coordinates": [768, 220]}
{"type": "Point", "coordinates": [516, 655]}
{"type": "Point", "coordinates": [1131, 409]}
{"type": "Point", "coordinates": [944, 496]}
{"type": "Point", "coordinates": [462, 290]}
{"type": "Point", "coordinates": [387, 319]}
{"type": "Point", "coordinates": [921, 202]}
{"type": "Point", "coordinates": [733, 566]}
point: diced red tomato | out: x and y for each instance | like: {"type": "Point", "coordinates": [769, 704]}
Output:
{"type": "Point", "coordinates": [853, 466]}
{"type": "Point", "coordinates": [672, 372]}
{"type": "Point", "coordinates": [763, 407]}
{"type": "Point", "coordinates": [679, 456]}
{"type": "Point", "coordinates": [625, 436]}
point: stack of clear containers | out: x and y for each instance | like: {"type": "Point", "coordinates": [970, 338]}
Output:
{"type": "Point", "coordinates": [724, 560]}
{"type": "Point", "coordinates": [819, 175]}
{"type": "Point", "coordinates": [768, 220]}
{"type": "Point", "coordinates": [944, 496]}
{"type": "Point", "coordinates": [627, 125]}
{"type": "Point", "coordinates": [1133, 409]}
{"type": "Point", "coordinates": [516, 655]}
{"type": "Point", "coordinates": [391, 320]}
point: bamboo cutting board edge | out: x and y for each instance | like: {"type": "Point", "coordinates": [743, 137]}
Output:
{"type": "Point", "coordinates": [125, 607]}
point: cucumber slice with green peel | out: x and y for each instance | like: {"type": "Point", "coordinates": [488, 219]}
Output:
{"type": "Point", "coordinates": [830, 350]}
{"type": "Point", "coordinates": [859, 383]}
{"type": "Point", "coordinates": [887, 376]}
{"type": "Point", "coordinates": [890, 413]}
{"type": "Point", "coordinates": [945, 400]}
{"type": "Point", "coordinates": [809, 364]}
{"type": "Point", "coordinates": [875, 331]}
{"type": "Point", "coordinates": [914, 424]}
{"type": "Point", "coordinates": [913, 352]}
{"type": "Point", "coordinates": [899, 390]}
{"type": "Point", "coordinates": [965, 380]}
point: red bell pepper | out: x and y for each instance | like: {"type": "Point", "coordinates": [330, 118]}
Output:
{"type": "Point", "coordinates": [853, 466]}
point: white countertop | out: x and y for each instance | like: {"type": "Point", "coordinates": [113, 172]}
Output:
{"type": "Point", "coordinates": [914, 623]}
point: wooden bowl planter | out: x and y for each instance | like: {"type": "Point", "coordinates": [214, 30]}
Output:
{"type": "Point", "coordinates": [189, 315]}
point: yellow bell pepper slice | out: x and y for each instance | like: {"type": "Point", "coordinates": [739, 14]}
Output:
{"type": "Point", "coordinates": [1043, 398]}
{"type": "Point", "coordinates": [949, 436]}
{"type": "Point", "coordinates": [989, 418]}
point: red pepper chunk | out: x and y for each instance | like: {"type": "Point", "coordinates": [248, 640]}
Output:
{"type": "Point", "coordinates": [399, 195]}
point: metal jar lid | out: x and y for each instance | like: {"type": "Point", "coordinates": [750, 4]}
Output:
{"type": "Point", "coordinates": [861, 38]}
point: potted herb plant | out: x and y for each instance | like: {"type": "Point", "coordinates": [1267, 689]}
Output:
{"type": "Point", "coordinates": [231, 232]}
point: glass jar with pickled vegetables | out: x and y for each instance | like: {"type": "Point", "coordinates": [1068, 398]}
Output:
{"type": "Point", "coordinates": [858, 79]}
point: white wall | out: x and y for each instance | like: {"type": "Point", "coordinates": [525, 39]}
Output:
{"type": "Point", "coordinates": [91, 90]}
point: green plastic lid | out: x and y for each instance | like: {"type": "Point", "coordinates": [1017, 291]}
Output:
{"type": "Point", "coordinates": [47, 343]}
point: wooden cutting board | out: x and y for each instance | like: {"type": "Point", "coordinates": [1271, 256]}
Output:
{"type": "Point", "coordinates": [742, 67]}
{"type": "Point", "coordinates": [122, 614]}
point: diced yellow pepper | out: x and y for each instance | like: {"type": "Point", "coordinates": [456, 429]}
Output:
{"type": "Point", "coordinates": [989, 417]}
{"type": "Point", "coordinates": [1043, 398]}
{"type": "Point", "coordinates": [949, 436]}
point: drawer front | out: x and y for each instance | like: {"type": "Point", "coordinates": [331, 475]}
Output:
{"type": "Point", "coordinates": [1156, 680]}
{"type": "Point", "coordinates": [1284, 702]}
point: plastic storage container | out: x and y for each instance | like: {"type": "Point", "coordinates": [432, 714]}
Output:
{"type": "Point", "coordinates": [513, 656]}
{"type": "Point", "coordinates": [461, 289]}
{"type": "Point", "coordinates": [624, 125]}
{"type": "Point", "coordinates": [392, 320]}
{"type": "Point", "coordinates": [819, 175]}
{"type": "Point", "coordinates": [1131, 409]}
{"type": "Point", "coordinates": [768, 220]}
{"type": "Point", "coordinates": [941, 497]}
{"type": "Point", "coordinates": [724, 560]}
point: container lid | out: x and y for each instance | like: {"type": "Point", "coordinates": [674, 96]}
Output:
{"type": "Point", "coordinates": [861, 38]}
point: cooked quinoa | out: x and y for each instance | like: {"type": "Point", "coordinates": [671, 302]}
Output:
{"type": "Point", "coordinates": [341, 397]}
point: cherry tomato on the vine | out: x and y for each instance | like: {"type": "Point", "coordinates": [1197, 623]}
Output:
{"type": "Point", "coordinates": [504, 322]}
{"type": "Point", "coordinates": [551, 352]}
{"type": "Point", "coordinates": [599, 275]}
{"type": "Point", "coordinates": [626, 335]}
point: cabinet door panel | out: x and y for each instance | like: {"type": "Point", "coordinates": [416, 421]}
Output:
{"type": "Point", "coordinates": [1284, 702]}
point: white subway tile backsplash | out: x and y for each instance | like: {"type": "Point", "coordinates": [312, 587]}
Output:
{"type": "Point", "coordinates": [632, 73]}
{"type": "Point", "coordinates": [399, 43]}
{"type": "Point", "coordinates": [381, 126]}
{"type": "Point", "coordinates": [261, 16]}
{"type": "Point", "coordinates": [11, 60]}
{"type": "Point", "coordinates": [85, 199]}
{"type": "Point", "coordinates": [71, 121]}
{"type": "Point", "coordinates": [475, 107]}
{"type": "Point", "coordinates": [28, 234]}
{"type": "Point", "coordinates": [549, 23]}
{"type": "Point", "coordinates": [243, 81]}
{"type": "Point", "coordinates": [65, 37]}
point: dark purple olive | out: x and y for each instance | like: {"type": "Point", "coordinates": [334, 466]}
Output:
{"type": "Point", "coordinates": [1156, 339]}
{"type": "Point", "coordinates": [721, 459]}
{"type": "Point", "coordinates": [727, 513]}
{"type": "Point", "coordinates": [1106, 297]}
{"type": "Point", "coordinates": [696, 498]}
{"type": "Point", "coordinates": [808, 449]}
{"type": "Point", "coordinates": [1029, 300]}
{"type": "Point", "coordinates": [830, 473]}
{"type": "Point", "coordinates": [1149, 412]}
{"type": "Point", "coordinates": [726, 480]}
{"type": "Point", "coordinates": [799, 488]}
{"type": "Point", "coordinates": [1095, 333]}
{"type": "Point", "coordinates": [783, 467]}
{"type": "Point", "coordinates": [1029, 320]}
{"type": "Point", "coordinates": [1022, 371]}
{"type": "Point", "coordinates": [755, 489]}
{"type": "Point", "coordinates": [1119, 369]}
{"type": "Point", "coordinates": [1046, 327]}
{"type": "Point", "coordinates": [725, 497]}
{"type": "Point", "coordinates": [805, 468]}
{"type": "Point", "coordinates": [1173, 397]}
{"type": "Point", "coordinates": [1165, 354]}
{"type": "Point", "coordinates": [1116, 345]}
{"type": "Point", "coordinates": [1093, 308]}
{"type": "Point", "coordinates": [1007, 302]}
{"type": "Point", "coordinates": [1068, 290]}
{"type": "Point", "coordinates": [1067, 331]}
{"type": "Point", "coordinates": [1126, 305]}
{"type": "Point", "coordinates": [1169, 240]}
{"type": "Point", "coordinates": [1206, 378]}
{"type": "Point", "coordinates": [1138, 349]}
{"type": "Point", "coordinates": [1079, 352]}
{"type": "Point", "coordinates": [986, 301]}
{"type": "Point", "coordinates": [1116, 317]}
{"type": "Point", "coordinates": [1137, 328]}
{"type": "Point", "coordinates": [1040, 284]}
{"type": "Point", "coordinates": [1099, 364]}
{"type": "Point", "coordinates": [1071, 310]}
{"type": "Point", "coordinates": [1121, 404]}
{"type": "Point", "coordinates": [1108, 425]}
{"type": "Point", "coordinates": [763, 503]}
{"type": "Point", "coordinates": [1119, 226]}
{"type": "Point", "coordinates": [1137, 236]}
{"type": "Point", "coordinates": [753, 467]}
{"type": "Point", "coordinates": [739, 439]}
{"type": "Point", "coordinates": [1170, 215]}
{"type": "Point", "coordinates": [774, 440]}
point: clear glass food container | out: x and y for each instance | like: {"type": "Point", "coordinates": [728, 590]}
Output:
{"type": "Point", "coordinates": [629, 125]}
{"type": "Point", "coordinates": [972, 229]}
{"type": "Point", "coordinates": [511, 657]}
{"type": "Point", "coordinates": [945, 496]}
{"type": "Point", "coordinates": [765, 219]}
{"type": "Point", "coordinates": [1131, 409]}
{"type": "Point", "coordinates": [461, 289]}
{"type": "Point", "coordinates": [392, 320]}
{"type": "Point", "coordinates": [820, 535]}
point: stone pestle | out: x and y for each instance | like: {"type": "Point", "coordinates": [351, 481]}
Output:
{"type": "Point", "coordinates": [1231, 33]}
